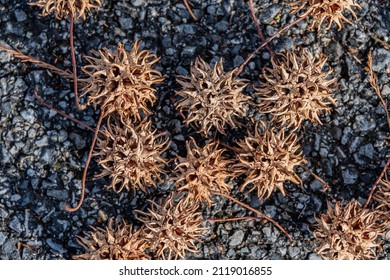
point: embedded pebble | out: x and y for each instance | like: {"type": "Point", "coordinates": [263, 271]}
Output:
{"type": "Point", "coordinates": [55, 246]}
{"type": "Point", "coordinates": [237, 238]}
{"type": "Point", "coordinates": [16, 225]}
{"type": "Point", "coordinates": [3, 238]}
{"type": "Point", "coordinates": [43, 154]}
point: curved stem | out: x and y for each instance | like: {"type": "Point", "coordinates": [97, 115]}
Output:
{"type": "Point", "coordinates": [322, 181]}
{"type": "Point", "coordinates": [255, 211]}
{"type": "Point", "coordinates": [271, 38]}
{"type": "Point", "coordinates": [74, 64]}
{"type": "Point", "coordinates": [42, 64]}
{"type": "Point", "coordinates": [233, 219]}
{"type": "Point", "coordinates": [376, 184]}
{"type": "Point", "coordinates": [189, 9]}
{"type": "Point", "coordinates": [374, 83]}
{"type": "Point", "coordinates": [40, 100]}
{"type": "Point", "coordinates": [259, 32]}
{"type": "Point", "coordinates": [67, 207]}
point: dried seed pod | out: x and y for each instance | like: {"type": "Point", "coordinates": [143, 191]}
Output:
{"type": "Point", "coordinates": [122, 82]}
{"type": "Point", "coordinates": [268, 160]}
{"type": "Point", "coordinates": [131, 155]}
{"type": "Point", "coordinates": [295, 89]}
{"type": "Point", "coordinates": [172, 228]}
{"type": "Point", "coordinates": [328, 11]}
{"type": "Point", "coordinates": [347, 232]}
{"type": "Point", "coordinates": [211, 98]}
{"type": "Point", "coordinates": [66, 8]}
{"type": "Point", "coordinates": [382, 197]}
{"type": "Point", "coordinates": [203, 170]}
{"type": "Point", "coordinates": [116, 242]}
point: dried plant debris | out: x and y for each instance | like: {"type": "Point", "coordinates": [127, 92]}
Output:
{"type": "Point", "coordinates": [295, 89]}
{"type": "Point", "coordinates": [347, 232]}
{"type": "Point", "coordinates": [116, 242]}
{"type": "Point", "coordinates": [122, 82]}
{"type": "Point", "coordinates": [203, 170]}
{"type": "Point", "coordinates": [326, 11]}
{"type": "Point", "coordinates": [67, 8]}
{"type": "Point", "coordinates": [382, 197]}
{"type": "Point", "coordinates": [268, 160]}
{"type": "Point", "coordinates": [211, 98]}
{"type": "Point", "coordinates": [172, 228]}
{"type": "Point", "coordinates": [131, 155]}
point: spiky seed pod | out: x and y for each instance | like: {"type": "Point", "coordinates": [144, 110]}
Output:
{"type": "Point", "coordinates": [328, 11]}
{"type": "Point", "coordinates": [172, 228]}
{"type": "Point", "coordinates": [122, 82]}
{"type": "Point", "coordinates": [211, 98]}
{"type": "Point", "coordinates": [347, 232]}
{"type": "Point", "coordinates": [67, 8]}
{"type": "Point", "coordinates": [382, 197]}
{"type": "Point", "coordinates": [131, 155]}
{"type": "Point", "coordinates": [116, 242]}
{"type": "Point", "coordinates": [268, 160]}
{"type": "Point", "coordinates": [203, 170]}
{"type": "Point", "coordinates": [295, 89]}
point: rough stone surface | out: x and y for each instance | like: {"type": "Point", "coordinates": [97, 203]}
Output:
{"type": "Point", "coordinates": [43, 154]}
{"type": "Point", "coordinates": [236, 238]}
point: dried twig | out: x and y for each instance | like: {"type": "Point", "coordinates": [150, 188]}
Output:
{"type": "Point", "coordinates": [40, 100]}
{"type": "Point", "coordinates": [234, 219]}
{"type": "Point", "coordinates": [26, 58]}
{"type": "Point", "coordinates": [270, 39]}
{"type": "Point", "coordinates": [187, 4]}
{"type": "Point", "coordinates": [67, 207]}
{"type": "Point", "coordinates": [380, 41]}
{"type": "Point", "coordinates": [74, 65]}
{"type": "Point", "coordinates": [259, 32]}
{"type": "Point", "coordinates": [373, 81]}
{"type": "Point", "coordinates": [255, 211]}
{"type": "Point", "coordinates": [376, 184]}
{"type": "Point", "coordinates": [325, 184]}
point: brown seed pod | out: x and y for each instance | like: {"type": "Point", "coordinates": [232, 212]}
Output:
{"type": "Point", "coordinates": [116, 242]}
{"type": "Point", "coordinates": [328, 11]}
{"type": "Point", "coordinates": [268, 160]}
{"type": "Point", "coordinates": [295, 89]}
{"type": "Point", "coordinates": [131, 155]}
{"type": "Point", "coordinates": [172, 228]}
{"type": "Point", "coordinates": [66, 8]}
{"type": "Point", "coordinates": [122, 82]}
{"type": "Point", "coordinates": [203, 170]}
{"type": "Point", "coordinates": [211, 98]}
{"type": "Point", "coordinates": [347, 232]}
{"type": "Point", "coordinates": [382, 197]}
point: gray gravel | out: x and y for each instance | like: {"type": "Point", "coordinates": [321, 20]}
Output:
{"type": "Point", "coordinates": [42, 155]}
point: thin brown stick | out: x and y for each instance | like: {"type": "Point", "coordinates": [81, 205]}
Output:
{"type": "Point", "coordinates": [270, 39]}
{"type": "Point", "coordinates": [189, 9]}
{"type": "Point", "coordinates": [255, 211]}
{"type": "Point", "coordinates": [385, 44]}
{"type": "Point", "coordinates": [40, 100]}
{"type": "Point", "coordinates": [74, 64]}
{"type": "Point", "coordinates": [374, 84]}
{"type": "Point", "coordinates": [322, 181]}
{"type": "Point", "coordinates": [228, 147]}
{"type": "Point", "coordinates": [67, 207]}
{"type": "Point", "coordinates": [376, 184]}
{"type": "Point", "coordinates": [26, 58]}
{"type": "Point", "coordinates": [257, 24]}
{"type": "Point", "coordinates": [234, 219]}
